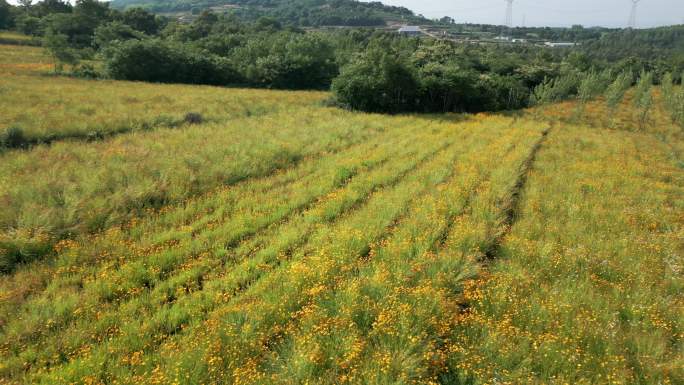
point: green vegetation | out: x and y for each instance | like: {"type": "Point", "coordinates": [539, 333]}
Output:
{"type": "Point", "coordinates": [587, 287]}
{"type": "Point", "coordinates": [373, 71]}
{"type": "Point", "coordinates": [187, 234]}
{"type": "Point", "coordinates": [296, 12]}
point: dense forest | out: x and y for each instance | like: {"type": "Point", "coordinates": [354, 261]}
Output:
{"type": "Point", "coordinates": [297, 12]}
{"type": "Point", "coordinates": [367, 69]}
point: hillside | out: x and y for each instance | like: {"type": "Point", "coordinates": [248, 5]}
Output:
{"type": "Point", "coordinates": [209, 235]}
{"type": "Point", "coordinates": [294, 12]}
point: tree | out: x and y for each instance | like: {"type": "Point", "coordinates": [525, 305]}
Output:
{"type": "Point", "coordinates": [589, 87]}
{"type": "Point", "coordinates": [28, 25]}
{"type": "Point", "coordinates": [377, 81]}
{"type": "Point", "coordinates": [155, 60]}
{"type": "Point", "coordinates": [446, 88]}
{"type": "Point", "coordinates": [286, 60]}
{"type": "Point", "coordinates": [140, 20]}
{"type": "Point", "coordinates": [57, 46]}
{"type": "Point", "coordinates": [26, 4]}
{"type": "Point", "coordinates": [47, 7]}
{"type": "Point", "coordinates": [615, 92]}
{"type": "Point", "coordinates": [643, 97]}
{"type": "Point", "coordinates": [6, 19]}
{"type": "Point", "coordinates": [115, 32]}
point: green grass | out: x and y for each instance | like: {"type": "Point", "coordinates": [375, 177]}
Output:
{"type": "Point", "coordinates": [283, 242]}
{"type": "Point", "coordinates": [59, 108]}
{"type": "Point", "coordinates": [15, 38]}
{"type": "Point", "coordinates": [588, 288]}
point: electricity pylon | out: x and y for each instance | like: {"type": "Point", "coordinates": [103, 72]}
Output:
{"type": "Point", "coordinates": [633, 14]}
{"type": "Point", "coordinates": [509, 14]}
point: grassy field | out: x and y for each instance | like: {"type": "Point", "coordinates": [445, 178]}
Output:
{"type": "Point", "coordinates": [14, 38]}
{"type": "Point", "coordinates": [279, 241]}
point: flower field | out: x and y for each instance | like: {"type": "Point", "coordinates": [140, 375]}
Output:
{"type": "Point", "coordinates": [279, 241]}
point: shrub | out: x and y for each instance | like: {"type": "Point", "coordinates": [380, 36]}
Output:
{"type": "Point", "coordinates": [163, 62]}
{"type": "Point", "coordinates": [445, 88]}
{"type": "Point", "coordinates": [193, 118]}
{"type": "Point", "coordinates": [86, 71]}
{"type": "Point", "coordinates": [496, 93]}
{"type": "Point", "coordinates": [286, 60]}
{"type": "Point", "coordinates": [556, 90]}
{"type": "Point", "coordinates": [643, 88]}
{"type": "Point", "coordinates": [616, 90]}
{"type": "Point", "coordinates": [13, 137]}
{"type": "Point", "coordinates": [377, 81]}
{"type": "Point", "coordinates": [643, 97]}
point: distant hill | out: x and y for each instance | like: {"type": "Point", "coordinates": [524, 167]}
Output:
{"type": "Point", "coordinates": [296, 12]}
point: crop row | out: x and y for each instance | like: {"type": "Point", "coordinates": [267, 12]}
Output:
{"type": "Point", "coordinates": [588, 286]}
{"type": "Point", "coordinates": [342, 238]}
{"type": "Point", "coordinates": [205, 236]}
{"type": "Point", "coordinates": [177, 298]}
{"type": "Point", "coordinates": [388, 320]}
{"type": "Point", "coordinates": [68, 188]}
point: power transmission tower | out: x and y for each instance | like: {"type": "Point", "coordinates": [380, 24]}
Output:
{"type": "Point", "coordinates": [509, 14]}
{"type": "Point", "coordinates": [508, 23]}
{"type": "Point", "coordinates": [633, 14]}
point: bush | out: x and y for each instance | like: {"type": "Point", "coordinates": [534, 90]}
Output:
{"type": "Point", "coordinates": [286, 60]}
{"type": "Point", "coordinates": [377, 81]}
{"type": "Point", "coordinates": [13, 137]}
{"type": "Point", "coordinates": [86, 71]}
{"type": "Point", "coordinates": [445, 88]}
{"type": "Point", "coordinates": [496, 93]}
{"type": "Point", "coordinates": [164, 62]}
{"type": "Point", "coordinates": [615, 92]}
{"type": "Point", "coordinates": [193, 118]}
{"type": "Point", "coordinates": [380, 82]}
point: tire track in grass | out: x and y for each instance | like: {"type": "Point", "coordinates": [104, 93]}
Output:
{"type": "Point", "coordinates": [380, 159]}
{"type": "Point", "coordinates": [409, 345]}
{"type": "Point", "coordinates": [263, 184]}
{"type": "Point", "coordinates": [352, 207]}
{"type": "Point", "coordinates": [534, 287]}
{"type": "Point", "coordinates": [510, 203]}
{"type": "Point", "coordinates": [391, 233]}
{"type": "Point", "coordinates": [246, 298]}
{"type": "Point", "coordinates": [326, 327]}
{"type": "Point", "coordinates": [277, 155]}
{"type": "Point", "coordinates": [361, 250]}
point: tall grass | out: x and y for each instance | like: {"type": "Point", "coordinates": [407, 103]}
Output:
{"type": "Point", "coordinates": [63, 108]}
{"type": "Point", "coordinates": [586, 287]}
{"type": "Point", "coordinates": [278, 241]}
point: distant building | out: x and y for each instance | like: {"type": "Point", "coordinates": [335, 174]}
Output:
{"type": "Point", "coordinates": [185, 19]}
{"type": "Point", "coordinates": [559, 45]}
{"type": "Point", "coordinates": [410, 30]}
{"type": "Point", "coordinates": [519, 40]}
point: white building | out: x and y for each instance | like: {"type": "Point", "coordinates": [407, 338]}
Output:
{"type": "Point", "coordinates": [410, 30]}
{"type": "Point", "coordinates": [559, 45]}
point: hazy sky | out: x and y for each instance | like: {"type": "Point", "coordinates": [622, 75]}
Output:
{"type": "Point", "coordinates": [609, 13]}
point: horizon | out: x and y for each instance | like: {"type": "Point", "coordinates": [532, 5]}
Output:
{"type": "Point", "coordinates": [526, 13]}
{"type": "Point", "coordinates": [555, 13]}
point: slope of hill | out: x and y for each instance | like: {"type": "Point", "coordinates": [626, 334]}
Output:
{"type": "Point", "coordinates": [296, 12]}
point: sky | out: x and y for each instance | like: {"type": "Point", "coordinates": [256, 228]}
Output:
{"type": "Point", "coordinates": [554, 13]}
